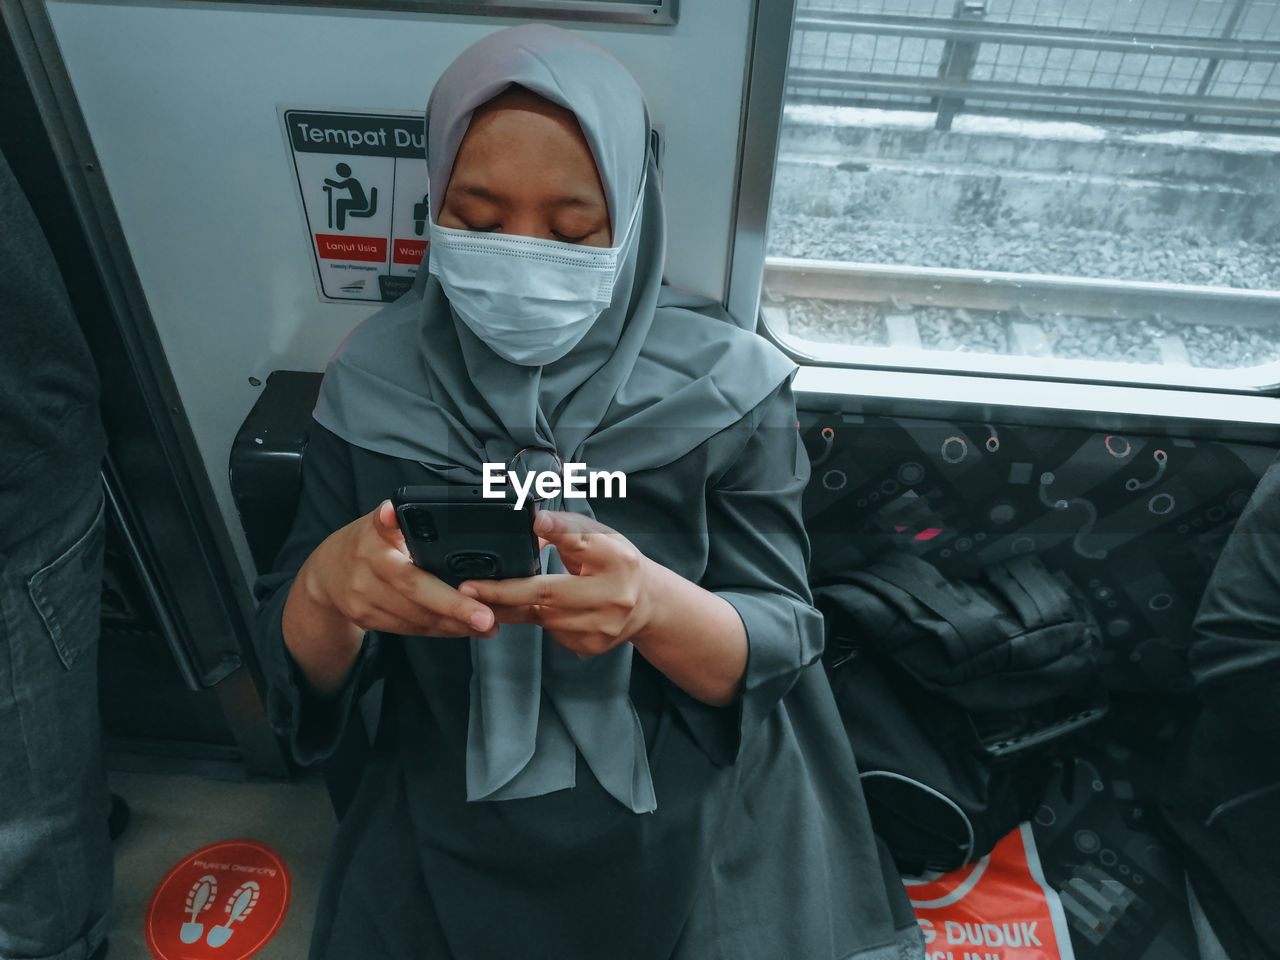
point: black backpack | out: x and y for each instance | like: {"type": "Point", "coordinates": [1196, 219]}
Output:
{"type": "Point", "coordinates": [959, 697]}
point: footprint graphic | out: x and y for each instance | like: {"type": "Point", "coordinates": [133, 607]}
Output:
{"type": "Point", "coordinates": [199, 899]}
{"type": "Point", "coordinates": [239, 905]}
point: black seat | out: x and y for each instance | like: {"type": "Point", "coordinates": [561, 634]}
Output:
{"type": "Point", "coordinates": [266, 479]}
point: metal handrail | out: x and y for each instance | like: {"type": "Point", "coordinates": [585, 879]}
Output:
{"type": "Point", "coordinates": [1096, 98]}
{"type": "Point", "coordinates": [981, 31]}
{"type": "Point", "coordinates": [963, 33]}
{"type": "Point", "coordinates": [1034, 294]}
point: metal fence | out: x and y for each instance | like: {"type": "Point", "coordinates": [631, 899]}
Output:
{"type": "Point", "coordinates": [1183, 63]}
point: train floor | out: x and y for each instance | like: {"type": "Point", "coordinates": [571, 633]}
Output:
{"type": "Point", "coordinates": [1122, 891]}
{"type": "Point", "coordinates": [173, 815]}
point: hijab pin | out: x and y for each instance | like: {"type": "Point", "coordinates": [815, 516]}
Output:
{"type": "Point", "coordinates": [526, 460]}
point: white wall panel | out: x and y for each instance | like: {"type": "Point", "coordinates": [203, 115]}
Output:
{"type": "Point", "coordinates": [180, 100]}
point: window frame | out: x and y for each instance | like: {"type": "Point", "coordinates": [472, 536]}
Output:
{"type": "Point", "coordinates": [963, 387]}
{"type": "Point", "coordinates": [652, 12]}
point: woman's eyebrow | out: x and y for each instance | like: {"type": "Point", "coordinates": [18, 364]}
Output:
{"type": "Point", "coordinates": [575, 201]}
{"type": "Point", "coordinates": [475, 190]}
{"type": "Point", "coordinates": [484, 193]}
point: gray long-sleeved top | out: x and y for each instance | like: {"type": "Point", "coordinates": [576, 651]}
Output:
{"type": "Point", "coordinates": [1235, 654]}
{"type": "Point", "coordinates": [760, 846]}
{"type": "Point", "coordinates": [1222, 787]}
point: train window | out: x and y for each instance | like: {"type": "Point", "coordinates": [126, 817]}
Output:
{"type": "Point", "coordinates": [1078, 190]}
{"type": "Point", "coordinates": [615, 11]}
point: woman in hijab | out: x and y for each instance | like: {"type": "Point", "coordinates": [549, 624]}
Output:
{"type": "Point", "coordinates": [635, 754]}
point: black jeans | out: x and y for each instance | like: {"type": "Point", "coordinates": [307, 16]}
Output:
{"type": "Point", "coordinates": [55, 854]}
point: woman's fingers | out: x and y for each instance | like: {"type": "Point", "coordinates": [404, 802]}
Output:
{"type": "Point", "coordinates": [545, 600]}
{"type": "Point", "coordinates": [436, 597]}
{"type": "Point", "coordinates": [565, 529]}
{"type": "Point", "coordinates": [369, 577]}
{"type": "Point", "coordinates": [589, 615]}
{"type": "Point", "coordinates": [548, 589]}
{"type": "Point", "coordinates": [528, 614]}
{"type": "Point", "coordinates": [432, 604]}
{"type": "Point", "coordinates": [381, 607]}
{"type": "Point", "coordinates": [387, 527]}
{"type": "Point", "coordinates": [389, 622]}
{"type": "Point", "coordinates": [592, 608]}
{"type": "Point", "coordinates": [585, 545]}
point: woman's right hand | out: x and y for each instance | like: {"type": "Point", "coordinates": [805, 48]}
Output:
{"type": "Point", "coordinates": [362, 578]}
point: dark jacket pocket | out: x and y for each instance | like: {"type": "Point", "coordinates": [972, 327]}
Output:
{"type": "Point", "coordinates": [67, 592]}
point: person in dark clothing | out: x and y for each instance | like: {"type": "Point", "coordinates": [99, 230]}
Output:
{"type": "Point", "coordinates": [55, 852]}
{"type": "Point", "coordinates": [1222, 798]}
{"type": "Point", "coordinates": [635, 755]}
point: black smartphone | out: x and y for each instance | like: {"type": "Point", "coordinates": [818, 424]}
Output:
{"type": "Point", "coordinates": [455, 533]}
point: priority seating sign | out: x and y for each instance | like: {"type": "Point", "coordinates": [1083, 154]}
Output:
{"type": "Point", "coordinates": [222, 902]}
{"type": "Point", "coordinates": [362, 184]}
{"type": "Point", "coordinates": [997, 908]}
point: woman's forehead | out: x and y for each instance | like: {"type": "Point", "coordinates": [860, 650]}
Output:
{"type": "Point", "coordinates": [553, 74]}
{"type": "Point", "coordinates": [520, 120]}
{"type": "Point", "coordinates": [520, 115]}
{"type": "Point", "coordinates": [521, 138]}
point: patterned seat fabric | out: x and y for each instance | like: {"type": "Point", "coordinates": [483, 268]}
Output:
{"type": "Point", "coordinates": [1136, 522]}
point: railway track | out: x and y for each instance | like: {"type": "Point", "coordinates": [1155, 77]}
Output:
{"type": "Point", "coordinates": [1026, 315]}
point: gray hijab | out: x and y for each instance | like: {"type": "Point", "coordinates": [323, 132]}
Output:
{"type": "Point", "coordinates": [656, 375]}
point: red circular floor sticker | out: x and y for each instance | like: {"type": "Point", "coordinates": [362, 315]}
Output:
{"type": "Point", "coordinates": [223, 902]}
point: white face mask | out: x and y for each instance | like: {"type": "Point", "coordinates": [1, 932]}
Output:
{"type": "Point", "coordinates": [529, 300]}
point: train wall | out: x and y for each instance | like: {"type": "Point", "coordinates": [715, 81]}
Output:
{"type": "Point", "coordinates": [181, 103]}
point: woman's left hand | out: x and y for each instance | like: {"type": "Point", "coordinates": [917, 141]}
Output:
{"type": "Point", "coordinates": [604, 600]}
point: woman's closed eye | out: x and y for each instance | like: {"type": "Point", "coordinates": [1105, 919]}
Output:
{"type": "Point", "coordinates": [496, 227]}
